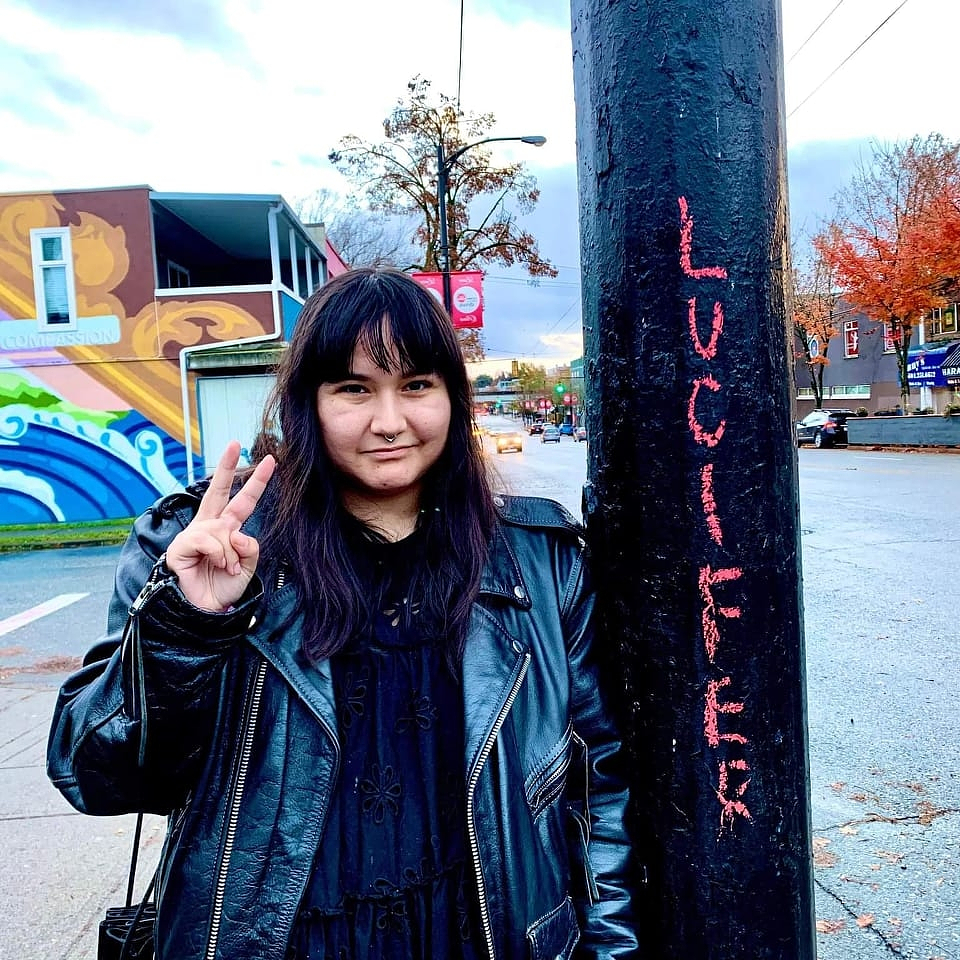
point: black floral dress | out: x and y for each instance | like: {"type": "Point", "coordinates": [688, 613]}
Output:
{"type": "Point", "coordinates": [393, 877]}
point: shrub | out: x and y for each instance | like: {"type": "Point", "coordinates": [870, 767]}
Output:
{"type": "Point", "coordinates": [863, 412]}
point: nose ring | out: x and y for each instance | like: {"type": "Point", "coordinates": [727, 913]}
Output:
{"type": "Point", "coordinates": [390, 438]}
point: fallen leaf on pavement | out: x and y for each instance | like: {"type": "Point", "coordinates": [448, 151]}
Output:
{"type": "Point", "coordinates": [831, 926]}
{"type": "Point", "coordinates": [889, 855]}
{"type": "Point", "coordinates": [865, 920]}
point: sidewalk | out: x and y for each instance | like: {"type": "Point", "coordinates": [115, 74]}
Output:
{"type": "Point", "coordinates": [61, 870]}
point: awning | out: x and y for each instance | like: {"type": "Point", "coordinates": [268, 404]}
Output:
{"type": "Point", "coordinates": [931, 364]}
{"type": "Point", "coordinates": [951, 366]}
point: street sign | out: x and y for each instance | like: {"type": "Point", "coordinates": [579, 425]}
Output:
{"type": "Point", "coordinates": [566, 399]}
{"type": "Point", "coordinates": [574, 398]}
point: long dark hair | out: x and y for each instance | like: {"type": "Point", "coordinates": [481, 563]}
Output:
{"type": "Point", "coordinates": [380, 310]}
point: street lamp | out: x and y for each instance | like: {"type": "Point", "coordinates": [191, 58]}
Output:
{"type": "Point", "coordinates": [444, 165]}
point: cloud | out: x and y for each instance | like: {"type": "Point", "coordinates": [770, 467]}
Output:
{"type": "Point", "coordinates": [817, 173]}
{"type": "Point", "coordinates": [34, 85]}
{"type": "Point", "coordinates": [197, 23]}
{"type": "Point", "coordinates": [552, 12]}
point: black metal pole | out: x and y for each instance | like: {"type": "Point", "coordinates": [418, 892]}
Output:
{"type": "Point", "coordinates": [444, 240]}
{"type": "Point", "coordinates": [691, 498]}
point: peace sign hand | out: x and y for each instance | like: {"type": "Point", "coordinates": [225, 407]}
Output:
{"type": "Point", "coordinates": [213, 561]}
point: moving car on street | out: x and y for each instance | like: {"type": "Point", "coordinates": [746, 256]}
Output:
{"type": "Point", "coordinates": [550, 435]}
{"type": "Point", "coordinates": [566, 429]}
{"type": "Point", "coordinates": [579, 434]}
{"type": "Point", "coordinates": [509, 440]}
{"type": "Point", "coordinates": [823, 428]}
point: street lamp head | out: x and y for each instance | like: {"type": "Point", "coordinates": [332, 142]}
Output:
{"type": "Point", "coordinates": [536, 141]}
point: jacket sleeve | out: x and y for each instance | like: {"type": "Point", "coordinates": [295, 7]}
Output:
{"type": "Point", "coordinates": [132, 726]}
{"type": "Point", "coordinates": [602, 846]}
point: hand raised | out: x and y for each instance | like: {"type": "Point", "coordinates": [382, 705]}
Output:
{"type": "Point", "coordinates": [214, 562]}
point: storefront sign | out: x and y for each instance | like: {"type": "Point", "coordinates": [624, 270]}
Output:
{"type": "Point", "coordinates": [925, 364]}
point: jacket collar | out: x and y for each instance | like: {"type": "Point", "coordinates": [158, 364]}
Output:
{"type": "Point", "coordinates": [502, 576]}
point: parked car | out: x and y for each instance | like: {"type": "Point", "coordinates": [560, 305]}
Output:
{"type": "Point", "coordinates": [579, 434]}
{"type": "Point", "coordinates": [566, 429]}
{"type": "Point", "coordinates": [823, 428]}
{"type": "Point", "coordinates": [536, 427]}
{"type": "Point", "coordinates": [550, 435]}
{"type": "Point", "coordinates": [510, 440]}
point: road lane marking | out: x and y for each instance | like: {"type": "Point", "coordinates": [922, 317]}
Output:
{"type": "Point", "coordinates": [40, 610]}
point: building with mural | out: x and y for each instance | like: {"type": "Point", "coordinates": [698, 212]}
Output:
{"type": "Point", "coordinates": [138, 331]}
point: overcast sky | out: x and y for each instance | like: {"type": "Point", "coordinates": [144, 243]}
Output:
{"type": "Point", "coordinates": [249, 96]}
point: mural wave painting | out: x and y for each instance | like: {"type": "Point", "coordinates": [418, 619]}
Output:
{"type": "Point", "coordinates": [28, 499]}
{"type": "Point", "coordinates": [53, 467]}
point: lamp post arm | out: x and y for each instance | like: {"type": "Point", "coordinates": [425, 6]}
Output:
{"type": "Point", "coordinates": [443, 168]}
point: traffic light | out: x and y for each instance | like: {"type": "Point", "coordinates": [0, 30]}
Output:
{"type": "Point", "coordinates": [559, 388]}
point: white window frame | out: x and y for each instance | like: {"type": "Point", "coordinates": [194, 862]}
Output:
{"type": "Point", "coordinates": [849, 325]}
{"type": "Point", "coordinates": [37, 236]}
{"type": "Point", "coordinates": [182, 272]}
{"type": "Point", "coordinates": [937, 320]}
{"type": "Point", "coordinates": [887, 333]}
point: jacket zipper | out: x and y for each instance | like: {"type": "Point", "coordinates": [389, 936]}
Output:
{"type": "Point", "coordinates": [471, 789]}
{"type": "Point", "coordinates": [543, 795]}
{"type": "Point", "coordinates": [234, 815]}
{"type": "Point", "coordinates": [240, 782]}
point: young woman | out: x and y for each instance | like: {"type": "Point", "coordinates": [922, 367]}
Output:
{"type": "Point", "coordinates": [361, 685]}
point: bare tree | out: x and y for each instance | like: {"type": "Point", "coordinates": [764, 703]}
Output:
{"type": "Point", "coordinates": [360, 236]}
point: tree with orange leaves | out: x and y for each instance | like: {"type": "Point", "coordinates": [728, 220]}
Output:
{"type": "Point", "coordinates": [888, 247]}
{"type": "Point", "coordinates": [814, 317]}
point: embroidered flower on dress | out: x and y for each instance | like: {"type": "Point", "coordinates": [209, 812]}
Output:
{"type": "Point", "coordinates": [391, 914]}
{"type": "Point", "coordinates": [394, 611]}
{"type": "Point", "coordinates": [381, 793]}
{"type": "Point", "coordinates": [419, 710]}
{"type": "Point", "coordinates": [354, 693]}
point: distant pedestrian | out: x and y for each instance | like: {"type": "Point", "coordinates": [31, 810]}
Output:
{"type": "Point", "coordinates": [362, 686]}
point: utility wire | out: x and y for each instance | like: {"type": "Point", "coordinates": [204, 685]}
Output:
{"type": "Point", "coordinates": [460, 62]}
{"type": "Point", "coordinates": [818, 26]}
{"type": "Point", "coordinates": [848, 57]}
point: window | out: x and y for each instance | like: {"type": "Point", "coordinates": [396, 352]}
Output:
{"type": "Point", "coordinates": [888, 338]}
{"type": "Point", "coordinates": [53, 277]}
{"type": "Point", "coordinates": [851, 390]}
{"type": "Point", "coordinates": [177, 276]}
{"type": "Point", "coordinates": [943, 320]}
{"type": "Point", "coordinates": [851, 338]}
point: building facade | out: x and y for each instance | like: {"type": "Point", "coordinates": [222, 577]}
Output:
{"type": "Point", "coordinates": [138, 331]}
{"type": "Point", "coordinates": [862, 368]}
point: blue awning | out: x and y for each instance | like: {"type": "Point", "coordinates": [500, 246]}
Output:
{"type": "Point", "coordinates": [928, 365]}
{"type": "Point", "coordinates": [951, 366]}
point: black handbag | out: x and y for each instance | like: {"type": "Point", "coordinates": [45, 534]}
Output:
{"type": "Point", "coordinates": [126, 933]}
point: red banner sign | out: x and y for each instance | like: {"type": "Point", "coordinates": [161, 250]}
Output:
{"type": "Point", "coordinates": [466, 293]}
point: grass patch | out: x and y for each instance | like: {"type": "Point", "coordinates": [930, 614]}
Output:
{"type": "Point", "coordinates": [43, 536]}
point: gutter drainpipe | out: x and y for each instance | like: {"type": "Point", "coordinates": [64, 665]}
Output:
{"type": "Point", "coordinates": [276, 334]}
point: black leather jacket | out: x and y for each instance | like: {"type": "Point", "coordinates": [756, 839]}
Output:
{"type": "Point", "coordinates": [220, 722]}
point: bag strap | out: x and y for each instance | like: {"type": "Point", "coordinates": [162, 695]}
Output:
{"type": "Point", "coordinates": [133, 859]}
{"type": "Point", "coordinates": [145, 902]}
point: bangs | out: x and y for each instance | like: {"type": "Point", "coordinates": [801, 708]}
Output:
{"type": "Point", "coordinates": [398, 324]}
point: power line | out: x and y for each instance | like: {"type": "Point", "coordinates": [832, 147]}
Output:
{"type": "Point", "coordinates": [818, 26]}
{"type": "Point", "coordinates": [460, 63]}
{"type": "Point", "coordinates": [847, 58]}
